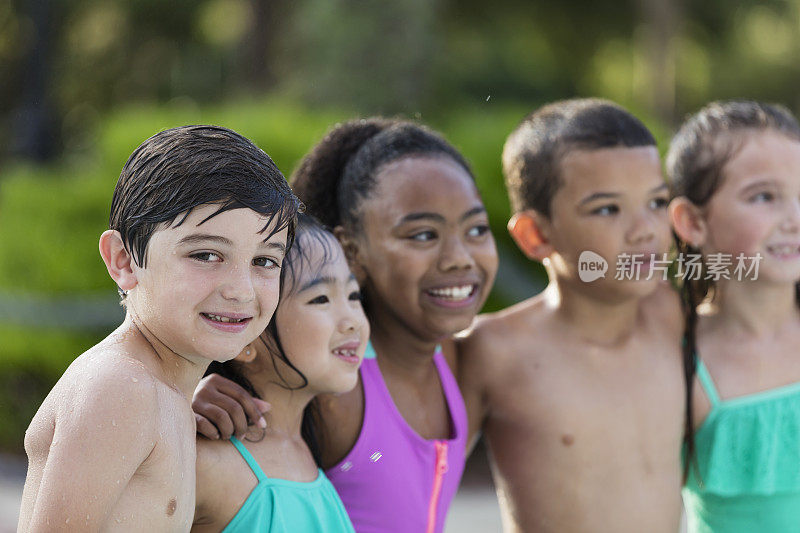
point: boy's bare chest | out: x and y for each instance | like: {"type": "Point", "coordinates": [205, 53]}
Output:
{"type": "Point", "coordinates": [568, 399]}
{"type": "Point", "coordinates": [163, 488]}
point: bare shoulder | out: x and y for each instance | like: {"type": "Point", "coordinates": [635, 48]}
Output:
{"type": "Point", "coordinates": [498, 337]}
{"type": "Point", "coordinates": [211, 466]}
{"type": "Point", "coordinates": [101, 388]}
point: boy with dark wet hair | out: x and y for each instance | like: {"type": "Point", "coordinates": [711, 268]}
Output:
{"type": "Point", "coordinates": [200, 222]}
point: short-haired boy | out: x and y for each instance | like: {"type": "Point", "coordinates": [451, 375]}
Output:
{"type": "Point", "coordinates": [579, 390]}
{"type": "Point", "coordinates": [200, 221]}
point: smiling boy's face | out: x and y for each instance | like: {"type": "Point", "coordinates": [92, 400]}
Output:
{"type": "Point", "coordinates": [209, 288]}
{"type": "Point", "coordinates": [611, 201]}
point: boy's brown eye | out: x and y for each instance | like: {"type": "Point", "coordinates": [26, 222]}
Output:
{"type": "Point", "coordinates": [606, 210]}
{"type": "Point", "coordinates": [264, 262]}
{"type": "Point", "coordinates": [206, 256]}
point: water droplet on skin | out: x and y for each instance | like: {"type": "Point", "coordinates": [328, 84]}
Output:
{"type": "Point", "coordinates": [66, 521]}
{"type": "Point", "coordinates": [135, 380]}
{"type": "Point", "coordinates": [114, 423]}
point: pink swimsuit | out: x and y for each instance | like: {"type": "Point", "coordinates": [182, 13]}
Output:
{"type": "Point", "coordinates": [393, 480]}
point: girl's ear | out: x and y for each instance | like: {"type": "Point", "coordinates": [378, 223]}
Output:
{"type": "Point", "coordinates": [118, 260]}
{"type": "Point", "coordinates": [352, 251]}
{"type": "Point", "coordinates": [526, 228]}
{"type": "Point", "coordinates": [688, 222]}
{"type": "Point", "coordinates": [248, 354]}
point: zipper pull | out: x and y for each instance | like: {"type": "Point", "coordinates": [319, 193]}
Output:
{"type": "Point", "coordinates": [441, 457]}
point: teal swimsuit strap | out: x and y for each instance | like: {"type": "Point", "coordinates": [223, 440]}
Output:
{"type": "Point", "coordinates": [708, 384]}
{"type": "Point", "coordinates": [249, 459]}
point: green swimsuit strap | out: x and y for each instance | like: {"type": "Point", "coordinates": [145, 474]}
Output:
{"type": "Point", "coordinates": [249, 459]}
{"type": "Point", "coordinates": [707, 383]}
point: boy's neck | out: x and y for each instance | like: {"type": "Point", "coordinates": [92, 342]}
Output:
{"type": "Point", "coordinates": [759, 308]}
{"type": "Point", "coordinates": [596, 321]}
{"type": "Point", "coordinates": [179, 372]}
{"type": "Point", "coordinates": [286, 415]}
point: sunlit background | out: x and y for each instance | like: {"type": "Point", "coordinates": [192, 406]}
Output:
{"type": "Point", "coordinates": [82, 83]}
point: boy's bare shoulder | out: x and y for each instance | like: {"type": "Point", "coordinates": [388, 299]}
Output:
{"type": "Point", "coordinates": [520, 322]}
{"type": "Point", "coordinates": [501, 337]}
{"type": "Point", "coordinates": [102, 388]}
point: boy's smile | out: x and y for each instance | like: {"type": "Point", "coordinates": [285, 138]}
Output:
{"type": "Point", "coordinates": [209, 289]}
{"type": "Point", "coordinates": [612, 201]}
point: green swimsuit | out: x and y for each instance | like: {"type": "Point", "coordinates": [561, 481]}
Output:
{"type": "Point", "coordinates": [748, 458]}
{"type": "Point", "coordinates": [289, 506]}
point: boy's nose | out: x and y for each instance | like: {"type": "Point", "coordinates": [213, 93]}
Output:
{"type": "Point", "coordinates": [455, 255]}
{"type": "Point", "coordinates": [239, 286]}
{"type": "Point", "coordinates": [641, 230]}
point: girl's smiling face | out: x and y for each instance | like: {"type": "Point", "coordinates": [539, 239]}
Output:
{"type": "Point", "coordinates": [320, 322]}
{"type": "Point", "coordinates": [756, 209]}
{"type": "Point", "coordinates": [424, 248]}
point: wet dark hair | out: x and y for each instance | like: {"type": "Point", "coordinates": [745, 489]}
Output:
{"type": "Point", "coordinates": [697, 156]}
{"type": "Point", "coordinates": [310, 233]}
{"type": "Point", "coordinates": [533, 151]}
{"type": "Point", "coordinates": [179, 169]}
{"type": "Point", "coordinates": [339, 172]}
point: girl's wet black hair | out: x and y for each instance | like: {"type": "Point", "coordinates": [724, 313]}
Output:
{"type": "Point", "coordinates": [339, 172]}
{"type": "Point", "coordinates": [309, 233]}
{"type": "Point", "coordinates": [695, 162]}
{"type": "Point", "coordinates": [179, 169]}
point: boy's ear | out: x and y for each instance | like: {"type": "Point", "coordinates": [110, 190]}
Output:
{"type": "Point", "coordinates": [352, 252]}
{"type": "Point", "coordinates": [688, 222]}
{"type": "Point", "coordinates": [117, 259]}
{"type": "Point", "coordinates": [525, 228]}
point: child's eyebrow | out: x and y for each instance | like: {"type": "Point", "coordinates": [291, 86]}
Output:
{"type": "Point", "coordinates": [413, 217]}
{"type": "Point", "coordinates": [477, 210]}
{"type": "Point", "coordinates": [760, 183]}
{"type": "Point", "coordinates": [599, 196]}
{"type": "Point", "coordinates": [197, 238]}
{"type": "Point", "coordinates": [319, 280]}
{"type": "Point", "coordinates": [663, 186]}
{"type": "Point", "coordinates": [279, 246]}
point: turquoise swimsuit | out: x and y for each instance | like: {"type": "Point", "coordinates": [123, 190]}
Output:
{"type": "Point", "coordinates": [289, 506]}
{"type": "Point", "coordinates": [748, 458]}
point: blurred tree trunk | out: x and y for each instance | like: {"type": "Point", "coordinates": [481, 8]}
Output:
{"type": "Point", "coordinates": [36, 122]}
{"type": "Point", "coordinates": [259, 71]}
{"type": "Point", "coordinates": [662, 21]}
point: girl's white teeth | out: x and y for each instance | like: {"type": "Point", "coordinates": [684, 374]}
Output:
{"type": "Point", "coordinates": [218, 318]}
{"type": "Point", "coordinates": [453, 293]}
{"type": "Point", "coordinates": [346, 353]}
{"type": "Point", "coordinates": [784, 250]}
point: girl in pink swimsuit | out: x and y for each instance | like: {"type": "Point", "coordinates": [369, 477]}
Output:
{"type": "Point", "coordinates": [404, 205]}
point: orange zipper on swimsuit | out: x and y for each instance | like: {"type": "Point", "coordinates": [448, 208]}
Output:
{"type": "Point", "coordinates": [439, 472]}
